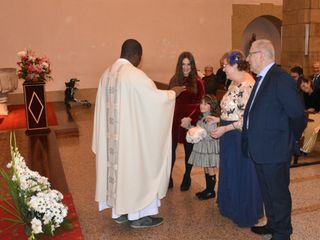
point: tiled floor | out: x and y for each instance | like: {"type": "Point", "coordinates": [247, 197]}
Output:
{"type": "Point", "coordinates": [184, 216]}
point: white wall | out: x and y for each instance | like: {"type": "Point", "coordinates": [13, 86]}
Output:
{"type": "Point", "coordinates": [83, 37]}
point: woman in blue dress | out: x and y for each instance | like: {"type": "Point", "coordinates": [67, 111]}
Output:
{"type": "Point", "coordinates": [239, 197]}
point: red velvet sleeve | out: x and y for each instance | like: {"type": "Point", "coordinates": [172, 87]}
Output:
{"type": "Point", "coordinates": [196, 112]}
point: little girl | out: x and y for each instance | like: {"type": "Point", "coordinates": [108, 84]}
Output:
{"type": "Point", "coordinates": [205, 152]}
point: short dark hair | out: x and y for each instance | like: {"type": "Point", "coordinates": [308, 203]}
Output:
{"type": "Point", "coordinates": [297, 69]}
{"type": "Point", "coordinates": [130, 48]}
{"type": "Point", "coordinates": [306, 80]}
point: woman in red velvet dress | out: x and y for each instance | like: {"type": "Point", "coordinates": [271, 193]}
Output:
{"type": "Point", "coordinates": [186, 110]}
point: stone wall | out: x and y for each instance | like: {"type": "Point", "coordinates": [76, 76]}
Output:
{"type": "Point", "coordinates": [244, 14]}
{"type": "Point", "coordinates": [297, 14]}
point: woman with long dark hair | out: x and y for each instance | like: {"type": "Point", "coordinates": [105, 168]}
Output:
{"type": "Point", "coordinates": [186, 110]}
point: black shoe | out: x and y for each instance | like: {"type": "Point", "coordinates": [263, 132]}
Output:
{"type": "Point", "coordinates": [185, 185]}
{"type": "Point", "coordinates": [261, 230]}
{"type": "Point", "coordinates": [146, 222]}
{"type": "Point", "coordinates": [303, 153]}
{"type": "Point", "coordinates": [170, 183]}
{"type": "Point", "coordinates": [206, 195]}
{"type": "Point", "coordinates": [200, 193]}
{"type": "Point", "coordinates": [285, 239]}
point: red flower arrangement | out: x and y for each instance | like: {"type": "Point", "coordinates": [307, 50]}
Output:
{"type": "Point", "coordinates": [33, 69]}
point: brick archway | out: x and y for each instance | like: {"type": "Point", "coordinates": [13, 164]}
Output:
{"type": "Point", "coordinates": [263, 27]}
{"type": "Point", "coordinates": [244, 14]}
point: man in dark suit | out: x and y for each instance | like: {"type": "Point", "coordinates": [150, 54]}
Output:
{"type": "Point", "coordinates": [316, 75]}
{"type": "Point", "coordinates": [223, 82]}
{"type": "Point", "coordinates": [273, 123]}
{"type": "Point", "coordinates": [209, 80]}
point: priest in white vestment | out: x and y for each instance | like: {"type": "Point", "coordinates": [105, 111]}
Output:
{"type": "Point", "coordinates": [132, 140]}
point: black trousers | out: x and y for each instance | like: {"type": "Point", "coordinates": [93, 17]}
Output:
{"type": "Point", "coordinates": [274, 180]}
{"type": "Point", "coordinates": [187, 152]}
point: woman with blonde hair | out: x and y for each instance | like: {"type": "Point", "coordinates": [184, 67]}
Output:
{"type": "Point", "coordinates": [239, 196]}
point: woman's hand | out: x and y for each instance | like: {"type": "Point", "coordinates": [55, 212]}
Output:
{"type": "Point", "coordinates": [218, 132]}
{"type": "Point", "coordinates": [178, 89]}
{"type": "Point", "coordinates": [185, 122]}
{"type": "Point", "coordinates": [212, 118]}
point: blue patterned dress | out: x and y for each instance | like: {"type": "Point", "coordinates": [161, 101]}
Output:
{"type": "Point", "coordinates": [239, 197]}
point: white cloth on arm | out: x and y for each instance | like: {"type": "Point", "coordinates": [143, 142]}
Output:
{"type": "Point", "coordinates": [196, 134]}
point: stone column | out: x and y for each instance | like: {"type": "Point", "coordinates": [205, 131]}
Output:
{"type": "Point", "coordinates": [299, 47]}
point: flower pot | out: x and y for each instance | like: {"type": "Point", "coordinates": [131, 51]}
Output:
{"type": "Point", "coordinates": [35, 106]}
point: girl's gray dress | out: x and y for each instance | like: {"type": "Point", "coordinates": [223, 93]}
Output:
{"type": "Point", "coordinates": [206, 152]}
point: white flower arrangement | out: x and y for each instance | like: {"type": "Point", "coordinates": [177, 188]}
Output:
{"type": "Point", "coordinates": [196, 134]}
{"type": "Point", "coordinates": [36, 205]}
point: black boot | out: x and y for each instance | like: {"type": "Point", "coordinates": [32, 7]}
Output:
{"type": "Point", "coordinates": [201, 193]}
{"type": "Point", "coordinates": [210, 185]}
{"type": "Point", "coordinates": [205, 190]}
{"type": "Point", "coordinates": [186, 182]}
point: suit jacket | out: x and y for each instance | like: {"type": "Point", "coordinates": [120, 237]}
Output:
{"type": "Point", "coordinates": [312, 100]}
{"type": "Point", "coordinates": [277, 119]}
{"type": "Point", "coordinates": [316, 81]}
{"type": "Point", "coordinates": [210, 84]}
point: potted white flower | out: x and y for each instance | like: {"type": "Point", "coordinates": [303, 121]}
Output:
{"type": "Point", "coordinates": [35, 204]}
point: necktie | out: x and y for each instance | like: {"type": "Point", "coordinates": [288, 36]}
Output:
{"type": "Point", "coordinates": [316, 81]}
{"type": "Point", "coordinates": [254, 92]}
{"type": "Point", "coordinates": [254, 89]}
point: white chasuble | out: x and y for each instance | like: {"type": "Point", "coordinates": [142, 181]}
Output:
{"type": "Point", "coordinates": [131, 138]}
